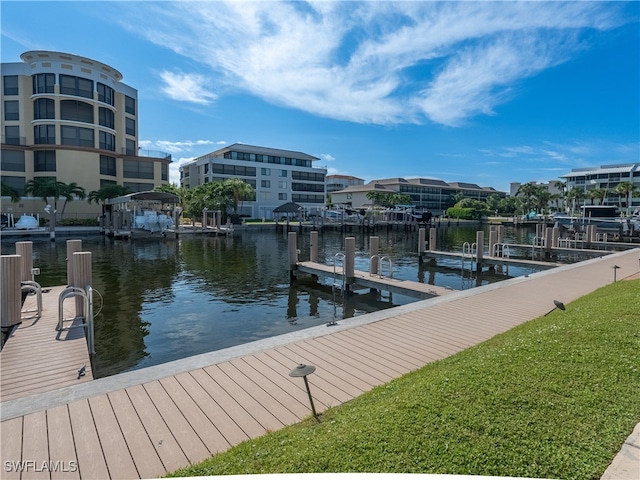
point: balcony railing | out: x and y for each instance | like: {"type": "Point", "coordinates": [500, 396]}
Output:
{"type": "Point", "coordinates": [146, 153]}
{"type": "Point", "coordinates": [14, 140]}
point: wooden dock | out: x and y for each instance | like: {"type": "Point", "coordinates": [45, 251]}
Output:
{"type": "Point", "coordinates": [37, 358]}
{"type": "Point", "coordinates": [491, 261]}
{"type": "Point", "coordinates": [145, 423]}
{"type": "Point", "coordinates": [419, 290]}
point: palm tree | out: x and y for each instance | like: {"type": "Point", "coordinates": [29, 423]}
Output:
{"type": "Point", "coordinates": [575, 195]}
{"type": "Point", "coordinates": [106, 192]}
{"type": "Point", "coordinates": [239, 192]}
{"type": "Point", "coordinates": [594, 194]}
{"type": "Point", "coordinates": [69, 192]}
{"type": "Point", "coordinates": [626, 190]}
{"type": "Point", "coordinates": [8, 191]}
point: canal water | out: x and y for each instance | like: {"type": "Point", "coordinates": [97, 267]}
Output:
{"type": "Point", "coordinates": [161, 300]}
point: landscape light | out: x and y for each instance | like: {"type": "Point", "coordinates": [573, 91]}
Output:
{"type": "Point", "coordinates": [615, 269]}
{"type": "Point", "coordinates": [303, 370]}
{"type": "Point", "coordinates": [558, 304]}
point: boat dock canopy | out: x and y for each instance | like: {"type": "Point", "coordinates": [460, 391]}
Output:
{"type": "Point", "coordinates": [152, 196]}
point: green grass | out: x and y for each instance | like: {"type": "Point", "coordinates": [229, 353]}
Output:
{"type": "Point", "coordinates": [553, 398]}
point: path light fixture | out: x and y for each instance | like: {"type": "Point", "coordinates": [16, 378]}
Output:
{"type": "Point", "coordinates": [303, 371]}
{"type": "Point", "coordinates": [615, 269]}
{"type": "Point", "coordinates": [558, 304]}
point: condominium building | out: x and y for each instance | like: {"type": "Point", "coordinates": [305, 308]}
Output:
{"type": "Point", "coordinates": [429, 194]}
{"type": "Point", "coordinates": [606, 177]}
{"type": "Point", "coordinates": [277, 176]}
{"type": "Point", "coordinates": [72, 119]}
{"type": "Point", "coordinates": [335, 183]}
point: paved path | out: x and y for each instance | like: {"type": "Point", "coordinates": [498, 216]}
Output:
{"type": "Point", "coordinates": [145, 423]}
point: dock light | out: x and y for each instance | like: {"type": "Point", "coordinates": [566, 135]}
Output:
{"type": "Point", "coordinates": [303, 371]}
{"type": "Point", "coordinates": [615, 269]}
{"type": "Point", "coordinates": [558, 304]}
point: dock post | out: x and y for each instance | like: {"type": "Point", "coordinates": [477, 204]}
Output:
{"type": "Point", "coordinates": [479, 250]}
{"type": "Point", "coordinates": [292, 242]}
{"type": "Point", "coordinates": [493, 239]}
{"type": "Point", "coordinates": [25, 250]}
{"type": "Point", "coordinates": [11, 305]}
{"type": "Point", "coordinates": [374, 248]}
{"type": "Point", "coordinates": [349, 262]}
{"type": "Point", "coordinates": [108, 228]}
{"type": "Point", "coordinates": [313, 246]}
{"type": "Point", "coordinates": [422, 233]}
{"type": "Point", "coordinates": [432, 239]}
{"type": "Point", "coordinates": [555, 237]}
{"type": "Point", "coordinates": [73, 246]}
{"type": "Point", "coordinates": [500, 233]}
{"type": "Point", "coordinates": [81, 278]}
{"type": "Point", "coordinates": [548, 240]}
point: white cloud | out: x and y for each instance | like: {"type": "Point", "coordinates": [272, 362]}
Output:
{"type": "Point", "coordinates": [186, 87]}
{"type": "Point", "coordinates": [326, 157]}
{"type": "Point", "coordinates": [174, 169]}
{"type": "Point", "coordinates": [370, 62]}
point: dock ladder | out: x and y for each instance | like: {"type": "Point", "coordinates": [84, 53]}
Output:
{"type": "Point", "coordinates": [381, 260]}
{"type": "Point", "coordinates": [86, 294]}
{"type": "Point", "coordinates": [338, 257]}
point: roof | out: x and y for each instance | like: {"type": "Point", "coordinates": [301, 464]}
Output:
{"type": "Point", "coordinates": [369, 187]}
{"type": "Point", "coordinates": [603, 170]}
{"type": "Point", "coordinates": [289, 207]}
{"type": "Point", "coordinates": [276, 152]}
{"type": "Point", "coordinates": [145, 196]}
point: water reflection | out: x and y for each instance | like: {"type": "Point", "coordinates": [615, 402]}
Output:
{"type": "Point", "coordinates": [165, 300]}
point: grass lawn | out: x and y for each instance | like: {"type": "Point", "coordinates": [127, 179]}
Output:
{"type": "Point", "coordinates": [553, 398]}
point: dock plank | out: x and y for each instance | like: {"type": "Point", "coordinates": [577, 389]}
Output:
{"type": "Point", "coordinates": [35, 446]}
{"type": "Point", "coordinates": [91, 462]}
{"type": "Point", "coordinates": [11, 447]}
{"type": "Point", "coordinates": [61, 447]}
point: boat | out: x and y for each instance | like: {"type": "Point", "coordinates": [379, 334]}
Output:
{"type": "Point", "coordinates": [27, 222]}
{"type": "Point", "coordinates": [604, 218]}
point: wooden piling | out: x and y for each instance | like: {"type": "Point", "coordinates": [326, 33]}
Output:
{"type": "Point", "coordinates": [432, 239]}
{"type": "Point", "coordinates": [81, 278]}
{"type": "Point", "coordinates": [313, 246]}
{"type": "Point", "coordinates": [349, 261]}
{"type": "Point", "coordinates": [548, 240]}
{"type": "Point", "coordinates": [374, 248]}
{"type": "Point", "coordinates": [479, 250]}
{"type": "Point", "coordinates": [493, 240]}
{"type": "Point", "coordinates": [11, 305]}
{"type": "Point", "coordinates": [25, 250]}
{"type": "Point", "coordinates": [292, 245]}
{"type": "Point", "coordinates": [73, 246]}
{"type": "Point", "coordinates": [421, 241]}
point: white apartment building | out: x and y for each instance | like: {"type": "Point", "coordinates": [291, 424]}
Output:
{"type": "Point", "coordinates": [277, 176]}
{"type": "Point", "coordinates": [335, 183]}
{"type": "Point", "coordinates": [70, 118]}
{"type": "Point", "coordinates": [606, 177]}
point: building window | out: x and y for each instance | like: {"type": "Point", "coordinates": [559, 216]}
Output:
{"type": "Point", "coordinates": [130, 148]}
{"type": "Point", "coordinates": [17, 183]}
{"type": "Point", "coordinates": [236, 170]}
{"type": "Point", "coordinates": [130, 105]}
{"type": "Point", "coordinates": [44, 134]}
{"type": "Point", "coordinates": [43, 83]}
{"type": "Point", "coordinates": [137, 169]}
{"type": "Point", "coordinates": [10, 86]}
{"type": "Point", "coordinates": [106, 117]}
{"type": "Point", "coordinates": [265, 171]}
{"type": "Point", "coordinates": [44, 108]}
{"type": "Point", "coordinates": [12, 161]}
{"type": "Point", "coordinates": [265, 195]}
{"type": "Point", "coordinates": [76, 111]}
{"type": "Point", "coordinates": [105, 94]}
{"type": "Point", "coordinates": [44, 161]}
{"type": "Point", "coordinates": [164, 169]}
{"type": "Point", "coordinates": [104, 183]}
{"type": "Point", "coordinates": [107, 141]}
{"type": "Point", "coordinates": [11, 135]}
{"type": "Point", "coordinates": [309, 176]}
{"type": "Point", "coordinates": [282, 196]}
{"type": "Point", "coordinates": [130, 126]}
{"type": "Point", "coordinates": [77, 86]}
{"type": "Point", "coordinates": [78, 136]}
{"type": "Point", "coordinates": [349, 196]}
{"type": "Point", "coordinates": [139, 186]}
{"type": "Point", "coordinates": [283, 173]}
{"type": "Point", "coordinates": [282, 184]}
{"type": "Point", "coordinates": [11, 110]}
{"type": "Point", "coordinates": [265, 183]}
{"type": "Point", "coordinates": [107, 165]}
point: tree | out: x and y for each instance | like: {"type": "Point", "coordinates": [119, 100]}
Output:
{"type": "Point", "coordinates": [106, 192]}
{"type": "Point", "coordinates": [594, 194]}
{"type": "Point", "coordinates": [238, 191]}
{"type": "Point", "coordinates": [69, 192]}
{"type": "Point", "coordinates": [8, 191]}
{"type": "Point", "coordinates": [626, 190]}
{"type": "Point", "coordinates": [575, 195]}
{"type": "Point", "coordinates": [388, 199]}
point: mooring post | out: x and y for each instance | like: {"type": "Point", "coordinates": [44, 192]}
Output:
{"type": "Point", "coordinates": [479, 250]}
{"type": "Point", "coordinates": [432, 239]}
{"type": "Point", "coordinates": [374, 248]}
{"type": "Point", "coordinates": [555, 237]}
{"type": "Point", "coordinates": [500, 233]}
{"type": "Point", "coordinates": [548, 240]}
{"type": "Point", "coordinates": [292, 243]}
{"type": "Point", "coordinates": [493, 240]}
{"type": "Point", "coordinates": [313, 246]}
{"type": "Point", "coordinates": [349, 262]}
{"type": "Point", "coordinates": [422, 233]}
{"type": "Point", "coordinates": [73, 246]}
{"type": "Point", "coordinates": [81, 278]}
{"type": "Point", "coordinates": [11, 305]}
{"type": "Point", "coordinates": [25, 250]}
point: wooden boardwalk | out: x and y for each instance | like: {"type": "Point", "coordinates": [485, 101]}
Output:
{"type": "Point", "coordinates": [37, 358]}
{"type": "Point", "coordinates": [145, 423]}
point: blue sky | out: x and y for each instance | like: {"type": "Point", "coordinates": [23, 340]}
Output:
{"type": "Point", "coordinates": [482, 92]}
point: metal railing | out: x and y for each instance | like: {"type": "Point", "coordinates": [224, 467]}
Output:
{"type": "Point", "coordinates": [380, 269]}
{"type": "Point", "coordinates": [87, 320]}
{"type": "Point", "coordinates": [338, 257]}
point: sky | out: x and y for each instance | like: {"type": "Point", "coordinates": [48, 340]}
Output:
{"type": "Point", "coordinates": [481, 92]}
